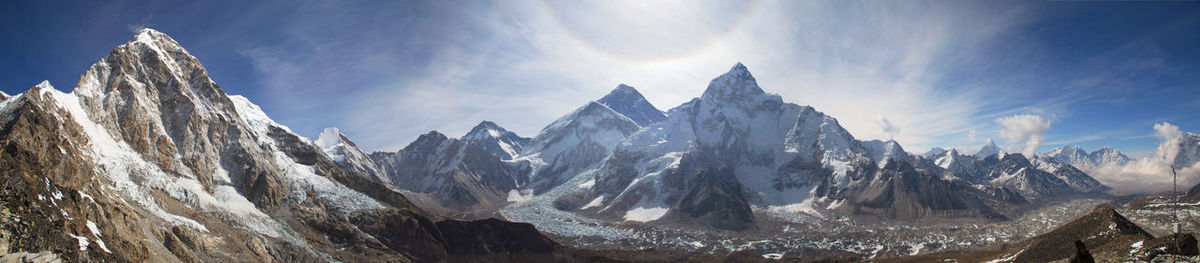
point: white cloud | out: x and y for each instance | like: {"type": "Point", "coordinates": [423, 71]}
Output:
{"type": "Point", "coordinates": [1151, 174]}
{"type": "Point", "coordinates": [1024, 129]}
{"type": "Point", "coordinates": [524, 64]}
{"type": "Point", "coordinates": [888, 127]}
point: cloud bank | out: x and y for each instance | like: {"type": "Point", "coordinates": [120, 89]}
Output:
{"type": "Point", "coordinates": [1152, 174]}
{"type": "Point", "coordinates": [1026, 129]}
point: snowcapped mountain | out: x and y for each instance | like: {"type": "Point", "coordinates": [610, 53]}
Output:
{"type": "Point", "coordinates": [989, 148]}
{"type": "Point", "coordinates": [738, 149]}
{"type": "Point", "coordinates": [954, 162]}
{"type": "Point", "coordinates": [451, 176]}
{"type": "Point", "coordinates": [629, 102]}
{"type": "Point", "coordinates": [1076, 156]}
{"type": "Point", "coordinates": [342, 150]}
{"type": "Point", "coordinates": [933, 152]}
{"type": "Point", "coordinates": [574, 143]}
{"type": "Point", "coordinates": [883, 152]}
{"type": "Point", "coordinates": [1106, 156]}
{"type": "Point", "coordinates": [496, 140]}
{"type": "Point", "coordinates": [147, 159]}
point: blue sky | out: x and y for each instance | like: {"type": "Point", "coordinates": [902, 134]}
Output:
{"type": "Point", "coordinates": [1028, 74]}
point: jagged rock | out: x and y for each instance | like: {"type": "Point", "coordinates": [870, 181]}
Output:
{"type": "Point", "coordinates": [1182, 244]}
{"type": "Point", "coordinates": [25, 257]}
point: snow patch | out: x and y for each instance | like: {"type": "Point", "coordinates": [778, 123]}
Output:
{"type": "Point", "coordinates": [83, 241]}
{"type": "Point", "coordinates": [515, 196]}
{"type": "Point", "coordinates": [588, 184]}
{"type": "Point", "coordinates": [594, 203]}
{"type": "Point", "coordinates": [92, 227]}
{"type": "Point", "coordinates": [645, 214]}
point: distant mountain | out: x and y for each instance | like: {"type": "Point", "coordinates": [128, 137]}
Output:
{"type": "Point", "coordinates": [496, 140]}
{"type": "Point", "coordinates": [343, 151]}
{"type": "Point", "coordinates": [629, 102]}
{"type": "Point", "coordinates": [574, 143]}
{"type": "Point", "coordinates": [935, 151]}
{"type": "Point", "coordinates": [1037, 178]}
{"type": "Point", "coordinates": [737, 147]}
{"type": "Point", "coordinates": [451, 176]}
{"type": "Point", "coordinates": [1074, 155]}
{"type": "Point", "coordinates": [989, 148]}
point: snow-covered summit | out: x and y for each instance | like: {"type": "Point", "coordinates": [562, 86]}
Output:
{"type": "Point", "coordinates": [574, 143]}
{"type": "Point", "coordinates": [496, 140]}
{"type": "Point", "coordinates": [989, 148]}
{"type": "Point", "coordinates": [1076, 156]}
{"type": "Point", "coordinates": [738, 82]}
{"type": "Point", "coordinates": [629, 102]}
{"type": "Point", "coordinates": [883, 152]}
{"type": "Point", "coordinates": [334, 143]}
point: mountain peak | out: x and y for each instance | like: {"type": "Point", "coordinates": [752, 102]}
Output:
{"type": "Point", "coordinates": [331, 137]}
{"type": "Point", "coordinates": [736, 83]}
{"type": "Point", "coordinates": [153, 37]}
{"type": "Point", "coordinates": [45, 84]}
{"type": "Point", "coordinates": [989, 148]}
{"type": "Point", "coordinates": [740, 68]}
{"type": "Point", "coordinates": [623, 88]}
{"type": "Point", "coordinates": [496, 140]}
{"type": "Point", "coordinates": [485, 129]}
{"type": "Point", "coordinates": [486, 125]}
{"type": "Point", "coordinates": [627, 101]}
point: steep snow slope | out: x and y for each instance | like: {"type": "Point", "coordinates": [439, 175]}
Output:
{"type": "Point", "coordinates": [496, 140]}
{"type": "Point", "coordinates": [574, 143]}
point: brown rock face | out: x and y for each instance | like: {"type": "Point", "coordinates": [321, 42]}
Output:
{"type": "Point", "coordinates": [156, 97]}
{"type": "Point", "coordinates": [138, 163]}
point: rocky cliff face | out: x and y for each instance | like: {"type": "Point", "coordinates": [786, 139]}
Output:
{"type": "Point", "coordinates": [149, 160]}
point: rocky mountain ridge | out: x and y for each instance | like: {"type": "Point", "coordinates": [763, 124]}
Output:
{"type": "Point", "coordinates": [147, 159]}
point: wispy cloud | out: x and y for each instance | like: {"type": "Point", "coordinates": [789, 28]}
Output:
{"type": "Point", "coordinates": [938, 69]}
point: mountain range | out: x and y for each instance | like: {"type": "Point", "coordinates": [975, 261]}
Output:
{"type": "Point", "coordinates": [148, 159]}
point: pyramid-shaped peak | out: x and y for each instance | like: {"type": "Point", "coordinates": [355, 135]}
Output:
{"type": "Point", "coordinates": [150, 36]}
{"type": "Point", "coordinates": [45, 84]}
{"type": "Point", "coordinates": [623, 93]}
{"type": "Point", "coordinates": [149, 32]}
{"type": "Point", "coordinates": [735, 83]}
{"type": "Point", "coordinates": [487, 124]}
{"type": "Point", "coordinates": [331, 137]}
{"type": "Point", "coordinates": [629, 102]}
{"type": "Point", "coordinates": [622, 88]}
{"type": "Point", "coordinates": [485, 129]}
{"type": "Point", "coordinates": [989, 148]}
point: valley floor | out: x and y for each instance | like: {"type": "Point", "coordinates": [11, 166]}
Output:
{"type": "Point", "coordinates": [810, 236]}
